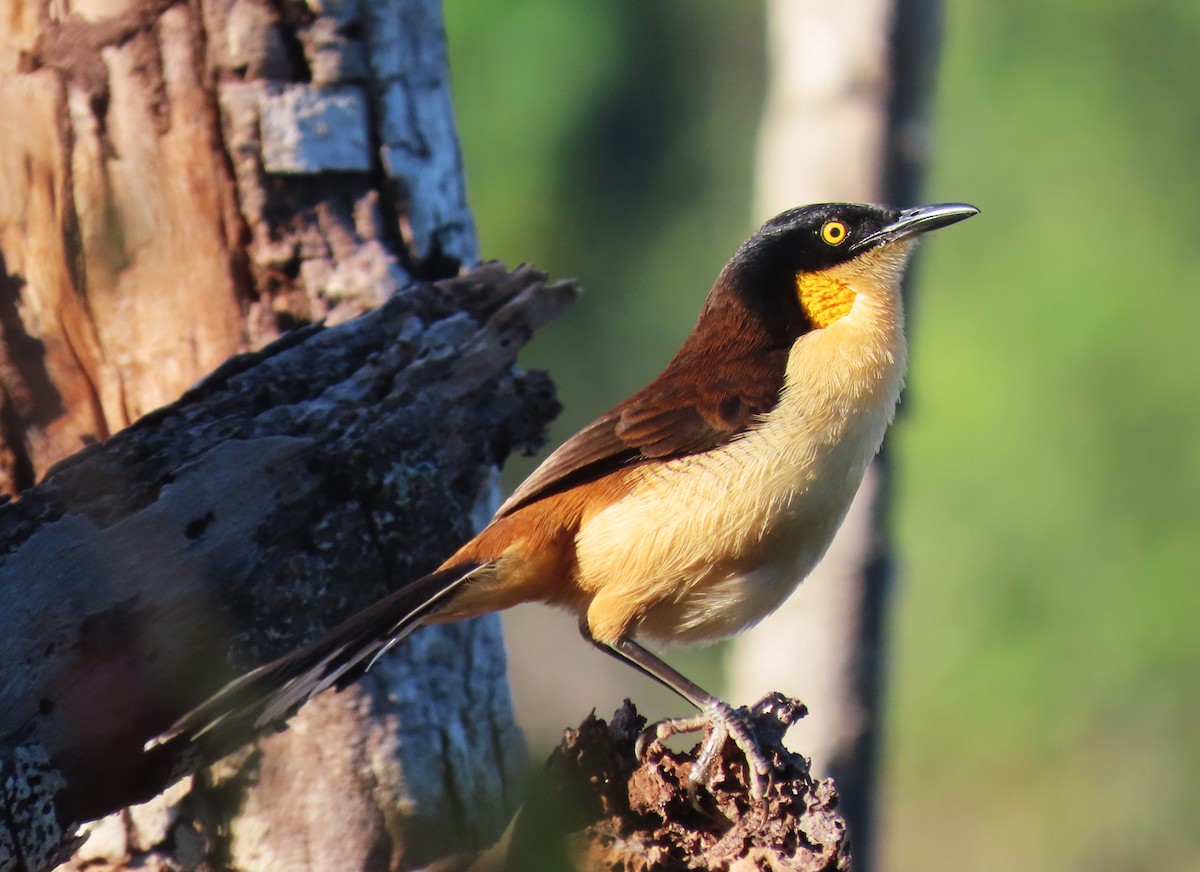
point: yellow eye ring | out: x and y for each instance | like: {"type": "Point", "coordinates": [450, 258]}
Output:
{"type": "Point", "coordinates": [834, 232]}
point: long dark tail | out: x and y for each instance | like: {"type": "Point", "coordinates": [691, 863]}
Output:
{"type": "Point", "coordinates": [272, 692]}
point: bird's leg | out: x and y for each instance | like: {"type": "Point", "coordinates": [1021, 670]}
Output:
{"type": "Point", "coordinates": [717, 718]}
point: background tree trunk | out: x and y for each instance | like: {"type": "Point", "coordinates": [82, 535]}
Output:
{"type": "Point", "coordinates": [179, 182]}
{"type": "Point", "coordinates": [845, 121]}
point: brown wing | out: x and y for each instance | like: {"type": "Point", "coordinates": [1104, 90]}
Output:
{"type": "Point", "coordinates": [688, 409]}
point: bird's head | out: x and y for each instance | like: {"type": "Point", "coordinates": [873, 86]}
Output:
{"type": "Point", "coordinates": [805, 268]}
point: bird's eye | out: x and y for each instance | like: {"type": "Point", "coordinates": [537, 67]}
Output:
{"type": "Point", "coordinates": [834, 232]}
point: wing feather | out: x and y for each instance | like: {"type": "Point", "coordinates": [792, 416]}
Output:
{"type": "Point", "coordinates": [681, 412]}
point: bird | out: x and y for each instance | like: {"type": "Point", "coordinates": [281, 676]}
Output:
{"type": "Point", "coordinates": [693, 508]}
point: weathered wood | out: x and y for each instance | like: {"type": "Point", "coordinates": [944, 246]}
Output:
{"type": "Point", "coordinates": [146, 571]}
{"type": "Point", "coordinates": [597, 807]}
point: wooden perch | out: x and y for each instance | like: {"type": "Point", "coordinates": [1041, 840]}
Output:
{"type": "Point", "coordinates": [596, 807]}
{"type": "Point", "coordinates": [290, 488]}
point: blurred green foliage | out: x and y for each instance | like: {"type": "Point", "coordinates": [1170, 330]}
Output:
{"type": "Point", "coordinates": [1045, 690]}
{"type": "Point", "coordinates": [610, 141]}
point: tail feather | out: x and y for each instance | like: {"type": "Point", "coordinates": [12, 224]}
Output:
{"type": "Point", "coordinates": [272, 692]}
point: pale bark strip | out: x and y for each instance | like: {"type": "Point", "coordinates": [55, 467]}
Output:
{"type": "Point", "coordinates": [179, 181]}
{"type": "Point", "coordinates": [845, 121]}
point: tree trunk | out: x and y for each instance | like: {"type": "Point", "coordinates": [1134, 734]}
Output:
{"type": "Point", "coordinates": [845, 120]}
{"type": "Point", "coordinates": [179, 182]}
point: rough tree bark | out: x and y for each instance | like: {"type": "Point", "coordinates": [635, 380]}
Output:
{"type": "Point", "coordinates": [846, 120]}
{"type": "Point", "coordinates": [134, 566]}
{"type": "Point", "coordinates": [179, 182]}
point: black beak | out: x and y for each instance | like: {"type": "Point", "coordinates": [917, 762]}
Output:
{"type": "Point", "coordinates": [919, 220]}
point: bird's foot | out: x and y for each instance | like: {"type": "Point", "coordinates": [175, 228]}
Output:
{"type": "Point", "coordinates": [721, 722]}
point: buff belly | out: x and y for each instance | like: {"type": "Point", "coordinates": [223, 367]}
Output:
{"type": "Point", "coordinates": [705, 545]}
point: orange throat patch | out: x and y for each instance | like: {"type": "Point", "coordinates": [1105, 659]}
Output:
{"type": "Point", "coordinates": [824, 299]}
